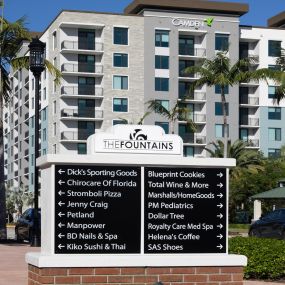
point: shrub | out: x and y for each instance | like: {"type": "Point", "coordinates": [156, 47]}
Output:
{"type": "Point", "coordinates": [266, 257]}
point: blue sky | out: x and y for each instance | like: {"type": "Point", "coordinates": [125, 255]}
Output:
{"type": "Point", "coordinates": [40, 13]}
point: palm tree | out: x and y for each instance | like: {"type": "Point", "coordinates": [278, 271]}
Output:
{"type": "Point", "coordinates": [246, 159]}
{"type": "Point", "coordinates": [219, 71]}
{"type": "Point", "coordinates": [11, 37]}
{"type": "Point", "coordinates": [280, 91]}
{"type": "Point", "coordinates": [177, 113]}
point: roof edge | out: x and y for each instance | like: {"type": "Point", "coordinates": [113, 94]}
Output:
{"type": "Point", "coordinates": [277, 20]}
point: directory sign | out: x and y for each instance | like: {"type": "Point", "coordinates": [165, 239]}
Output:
{"type": "Point", "coordinates": [97, 209]}
{"type": "Point", "coordinates": [117, 210]}
{"type": "Point", "coordinates": [185, 210]}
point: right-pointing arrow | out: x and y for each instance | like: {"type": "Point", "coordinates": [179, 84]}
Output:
{"type": "Point", "coordinates": [220, 226]}
{"type": "Point", "coordinates": [220, 174]}
{"type": "Point", "coordinates": [220, 205]}
{"type": "Point", "coordinates": [219, 246]}
{"type": "Point", "coordinates": [220, 195]}
{"type": "Point", "coordinates": [220, 185]}
{"type": "Point", "coordinates": [220, 216]}
{"type": "Point", "coordinates": [220, 236]}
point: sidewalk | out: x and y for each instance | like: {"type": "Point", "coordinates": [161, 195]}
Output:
{"type": "Point", "coordinates": [14, 270]}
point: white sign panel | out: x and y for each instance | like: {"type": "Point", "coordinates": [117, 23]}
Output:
{"type": "Point", "coordinates": [135, 139]}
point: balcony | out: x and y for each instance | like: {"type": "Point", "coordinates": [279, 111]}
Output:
{"type": "Point", "coordinates": [191, 52]}
{"type": "Point", "coordinates": [82, 91]}
{"type": "Point", "coordinates": [26, 170]}
{"type": "Point", "coordinates": [253, 143]}
{"type": "Point", "coordinates": [250, 122]}
{"type": "Point", "coordinates": [199, 118]}
{"type": "Point", "coordinates": [82, 114]}
{"type": "Point", "coordinates": [26, 116]}
{"type": "Point", "coordinates": [26, 153]}
{"type": "Point", "coordinates": [27, 98]}
{"type": "Point", "coordinates": [196, 96]}
{"type": "Point", "coordinates": [250, 83]}
{"type": "Point", "coordinates": [193, 139]}
{"type": "Point", "coordinates": [82, 69]}
{"type": "Point", "coordinates": [245, 100]}
{"type": "Point", "coordinates": [82, 47]}
{"type": "Point", "coordinates": [81, 135]}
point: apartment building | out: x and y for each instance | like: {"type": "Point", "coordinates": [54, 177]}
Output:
{"type": "Point", "coordinates": [113, 64]}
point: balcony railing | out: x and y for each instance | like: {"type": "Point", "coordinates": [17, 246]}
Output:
{"type": "Point", "coordinates": [82, 45]}
{"type": "Point", "coordinates": [249, 100]}
{"type": "Point", "coordinates": [26, 116]}
{"type": "Point", "coordinates": [193, 138]}
{"type": "Point", "coordinates": [190, 51]}
{"type": "Point", "coordinates": [253, 122]}
{"type": "Point", "coordinates": [82, 113]}
{"type": "Point", "coordinates": [82, 90]}
{"type": "Point", "coordinates": [253, 143]}
{"type": "Point", "coordinates": [27, 98]}
{"type": "Point", "coordinates": [199, 118]}
{"type": "Point", "coordinates": [26, 170]}
{"type": "Point", "coordinates": [82, 67]}
{"type": "Point", "coordinates": [184, 74]}
{"type": "Point", "coordinates": [74, 136]}
{"type": "Point", "coordinates": [197, 96]}
{"type": "Point", "coordinates": [26, 152]}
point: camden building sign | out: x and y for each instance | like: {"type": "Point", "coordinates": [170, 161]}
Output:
{"type": "Point", "coordinates": [135, 139]}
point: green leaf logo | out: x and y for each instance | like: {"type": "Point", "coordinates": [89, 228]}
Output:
{"type": "Point", "coordinates": [209, 21]}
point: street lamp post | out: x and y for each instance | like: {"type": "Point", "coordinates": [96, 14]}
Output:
{"type": "Point", "coordinates": [37, 66]}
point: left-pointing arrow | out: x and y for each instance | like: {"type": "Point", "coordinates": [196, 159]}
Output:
{"type": "Point", "coordinates": [61, 225]}
{"type": "Point", "coordinates": [60, 235]}
{"type": "Point", "coordinates": [60, 203]}
{"type": "Point", "coordinates": [60, 246]}
{"type": "Point", "coordinates": [61, 193]}
{"type": "Point", "coordinates": [60, 171]}
{"type": "Point", "coordinates": [60, 182]}
{"type": "Point", "coordinates": [61, 214]}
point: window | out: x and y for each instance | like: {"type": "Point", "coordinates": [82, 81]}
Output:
{"type": "Point", "coordinates": [32, 178]}
{"type": "Point", "coordinates": [218, 89]}
{"type": "Point", "coordinates": [163, 103]}
{"type": "Point", "coordinates": [274, 48]}
{"type": "Point", "coordinates": [54, 107]}
{"type": "Point", "coordinates": [120, 122]}
{"type": "Point", "coordinates": [44, 114]}
{"type": "Point", "coordinates": [274, 134]}
{"type": "Point", "coordinates": [163, 125]}
{"type": "Point", "coordinates": [219, 130]}
{"type": "Point", "coordinates": [44, 94]}
{"type": "Point", "coordinates": [120, 60]}
{"type": "Point", "coordinates": [54, 86]}
{"type": "Point", "coordinates": [219, 110]}
{"type": "Point", "coordinates": [188, 151]}
{"type": "Point", "coordinates": [54, 38]}
{"type": "Point", "coordinates": [243, 134]}
{"type": "Point", "coordinates": [120, 82]}
{"type": "Point", "coordinates": [33, 140]}
{"type": "Point", "coordinates": [54, 129]}
{"type": "Point", "coordinates": [32, 159]}
{"type": "Point", "coordinates": [55, 62]}
{"type": "Point", "coordinates": [161, 62]}
{"type": "Point", "coordinates": [274, 113]}
{"type": "Point", "coordinates": [44, 134]}
{"type": "Point", "coordinates": [120, 36]}
{"type": "Point", "coordinates": [183, 64]}
{"type": "Point", "coordinates": [86, 86]}
{"type": "Point", "coordinates": [274, 67]}
{"type": "Point", "coordinates": [161, 38]}
{"type": "Point", "coordinates": [81, 148]}
{"type": "Point", "coordinates": [86, 39]}
{"type": "Point", "coordinates": [272, 92]}
{"type": "Point", "coordinates": [222, 42]}
{"type": "Point", "coordinates": [44, 152]}
{"type": "Point", "coordinates": [33, 84]}
{"type": "Point", "coordinates": [120, 105]}
{"type": "Point", "coordinates": [20, 146]}
{"type": "Point", "coordinates": [33, 103]}
{"type": "Point", "coordinates": [186, 45]}
{"type": "Point", "coordinates": [274, 152]}
{"type": "Point", "coordinates": [86, 63]}
{"type": "Point", "coordinates": [161, 84]}
{"type": "Point", "coordinates": [54, 148]}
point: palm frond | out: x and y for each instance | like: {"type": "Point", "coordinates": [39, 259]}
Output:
{"type": "Point", "coordinates": [53, 71]}
{"type": "Point", "coordinates": [155, 106]}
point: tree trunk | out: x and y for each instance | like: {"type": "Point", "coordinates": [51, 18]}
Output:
{"type": "Point", "coordinates": [225, 121]}
{"type": "Point", "coordinates": [3, 229]}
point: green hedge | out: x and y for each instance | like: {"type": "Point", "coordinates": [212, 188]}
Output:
{"type": "Point", "coordinates": [266, 257]}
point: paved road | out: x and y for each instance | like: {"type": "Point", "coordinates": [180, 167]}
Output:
{"type": "Point", "coordinates": [13, 269]}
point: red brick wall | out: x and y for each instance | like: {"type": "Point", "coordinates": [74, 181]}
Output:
{"type": "Point", "coordinates": [137, 275]}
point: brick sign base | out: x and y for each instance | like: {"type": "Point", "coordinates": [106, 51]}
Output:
{"type": "Point", "coordinates": [137, 275]}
